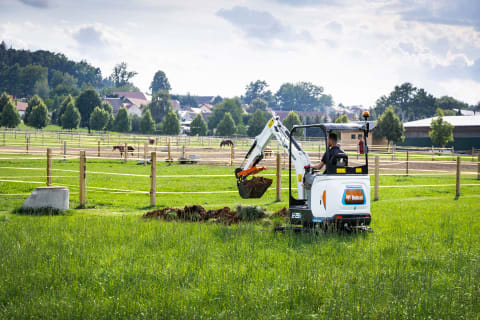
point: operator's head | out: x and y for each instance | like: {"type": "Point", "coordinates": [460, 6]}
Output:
{"type": "Point", "coordinates": [332, 139]}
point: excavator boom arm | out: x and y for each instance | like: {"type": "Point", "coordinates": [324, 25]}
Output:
{"type": "Point", "coordinates": [275, 128]}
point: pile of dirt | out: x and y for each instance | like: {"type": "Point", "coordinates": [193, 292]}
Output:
{"type": "Point", "coordinates": [254, 188]}
{"type": "Point", "coordinates": [284, 212]}
{"type": "Point", "coordinates": [195, 213]}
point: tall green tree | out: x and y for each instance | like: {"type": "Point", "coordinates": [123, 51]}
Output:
{"type": "Point", "coordinates": [57, 114]}
{"type": "Point", "coordinates": [389, 126]}
{"type": "Point", "coordinates": [39, 118]}
{"type": "Point", "coordinates": [441, 131]}
{"type": "Point", "coordinates": [257, 104]}
{"type": "Point", "coordinates": [9, 116]}
{"type": "Point", "coordinates": [198, 126]}
{"type": "Point", "coordinates": [342, 119]}
{"type": "Point", "coordinates": [4, 99]}
{"type": "Point", "coordinates": [147, 124]}
{"type": "Point", "coordinates": [98, 119]}
{"type": "Point", "coordinates": [226, 127]}
{"type": "Point", "coordinates": [107, 107]}
{"type": "Point", "coordinates": [121, 76]}
{"type": "Point", "coordinates": [71, 117]}
{"type": "Point", "coordinates": [122, 122]}
{"type": "Point", "coordinates": [293, 119]}
{"type": "Point", "coordinates": [449, 103]}
{"type": "Point", "coordinates": [86, 103]}
{"type": "Point", "coordinates": [171, 124]}
{"type": "Point", "coordinates": [409, 102]}
{"type": "Point", "coordinates": [257, 122]}
{"type": "Point", "coordinates": [32, 103]}
{"type": "Point", "coordinates": [302, 96]}
{"type": "Point", "coordinates": [231, 106]}
{"type": "Point", "coordinates": [257, 89]}
{"type": "Point", "coordinates": [160, 105]}
{"type": "Point", "coordinates": [160, 82]}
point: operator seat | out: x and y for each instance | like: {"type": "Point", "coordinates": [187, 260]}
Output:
{"type": "Point", "coordinates": [339, 160]}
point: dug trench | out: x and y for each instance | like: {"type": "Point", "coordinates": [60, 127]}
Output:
{"type": "Point", "coordinates": [197, 213]}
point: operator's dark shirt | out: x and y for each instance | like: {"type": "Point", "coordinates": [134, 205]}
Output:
{"type": "Point", "coordinates": [333, 151]}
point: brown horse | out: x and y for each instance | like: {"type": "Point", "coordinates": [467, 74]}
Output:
{"type": "Point", "coordinates": [151, 140]}
{"type": "Point", "coordinates": [226, 142]}
{"type": "Point", "coordinates": [121, 148]}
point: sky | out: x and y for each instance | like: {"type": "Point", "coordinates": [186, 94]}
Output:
{"type": "Point", "coordinates": [357, 50]}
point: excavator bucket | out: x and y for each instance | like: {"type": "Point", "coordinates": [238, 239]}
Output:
{"type": "Point", "coordinates": [252, 188]}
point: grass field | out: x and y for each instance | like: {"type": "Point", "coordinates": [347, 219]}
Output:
{"type": "Point", "coordinates": [422, 261]}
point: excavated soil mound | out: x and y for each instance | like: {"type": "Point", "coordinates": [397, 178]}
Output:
{"type": "Point", "coordinates": [255, 187]}
{"type": "Point", "coordinates": [194, 213]}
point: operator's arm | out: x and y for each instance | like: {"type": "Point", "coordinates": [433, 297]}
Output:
{"type": "Point", "coordinates": [318, 166]}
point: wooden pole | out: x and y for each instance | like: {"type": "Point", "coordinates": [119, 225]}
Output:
{"type": "Point", "coordinates": [83, 173]}
{"type": "Point", "coordinates": [168, 147]}
{"type": "Point", "coordinates": [232, 155]}
{"type": "Point", "coordinates": [279, 178]}
{"type": "Point", "coordinates": [478, 167]}
{"type": "Point", "coordinates": [4, 138]}
{"type": "Point", "coordinates": [458, 177]}
{"type": "Point", "coordinates": [65, 150]}
{"type": "Point", "coordinates": [153, 179]}
{"type": "Point", "coordinates": [125, 155]}
{"type": "Point", "coordinates": [98, 148]}
{"type": "Point", "coordinates": [28, 140]}
{"type": "Point", "coordinates": [377, 175]}
{"type": "Point", "coordinates": [432, 153]}
{"type": "Point", "coordinates": [49, 167]}
{"type": "Point", "coordinates": [43, 139]}
{"type": "Point", "coordinates": [145, 148]}
{"type": "Point", "coordinates": [406, 167]}
{"type": "Point", "coordinates": [453, 156]}
{"type": "Point", "coordinates": [473, 154]}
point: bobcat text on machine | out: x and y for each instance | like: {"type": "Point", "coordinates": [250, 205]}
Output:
{"type": "Point", "coordinates": [339, 197]}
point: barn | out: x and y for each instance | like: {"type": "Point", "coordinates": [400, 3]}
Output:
{"type": "Point", "coordinates": [466, 132]}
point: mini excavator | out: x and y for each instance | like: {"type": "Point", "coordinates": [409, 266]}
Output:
{"type": "Point", "coordinates": [339, 197]}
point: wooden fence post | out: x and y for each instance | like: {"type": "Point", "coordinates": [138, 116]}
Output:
{"type": "Point", "coordinates": [49, 167]}
{"type": "Point", "coordinates": [65, 150]}
{"type": "Point", "coordinates": [279, 178]}
{"type": "Point", "coordinates": [432, 153]}
{"type": "Point", "coordinates": [145, 146]}
{"type": "Point", "coordinates": [232, 155]}
{"type": "Point", "coordinates": [98, 148]}
{"type": "Point", "coordinates": [153, 179]}
{"type": "Point", "coordinates": [453, 156]}
{"type": "Point", "coordinates": [478, 167]}
{"type": "Point", "coordinates": [4, 138]}
{"type": "Point", "coordinates": [43, 139]}
{"type": "Point", "coordinates": [28, 140]}
{"type": "Point", "coordinates": [458, 177]}
{"type": "Point", "coordinates": [83, 173]}
{"type": "Point", "coordinates": [473, 154]}
{"type": "Point", "coordinates": [168, 149]}
{"type": "Point", "coordinates": [377, 174]}
{"type": "Point", "coordinates": [125, 155]}
{"type": "Point", "coordinates": [407, 163]}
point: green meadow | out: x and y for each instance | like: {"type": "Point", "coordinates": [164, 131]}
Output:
{"type": "Point", "coordinates": [106, 261]}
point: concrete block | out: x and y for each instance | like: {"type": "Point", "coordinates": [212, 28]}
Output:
{"type": "Point", "coordinates": [48, 197]}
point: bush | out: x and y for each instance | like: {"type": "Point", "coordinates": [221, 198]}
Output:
{"type": "Point", "coordinates": [249, 213]}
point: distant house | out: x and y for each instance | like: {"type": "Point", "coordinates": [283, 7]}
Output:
{"type": "Point", "coordinates": [204, 99]}
{"type": "Point", "coordinates": [21, 107]}
{"type": "Point", "coordinates": [351, 138]}
{"type": "Point", "coordinates": [176, 105]}
{"type": "Point", "coordinates": [466, 132]}
{"type": "Point", "coordinates": [135, 102]}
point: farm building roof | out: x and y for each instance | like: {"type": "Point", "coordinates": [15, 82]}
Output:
{"type": "Point", "coordinates": [456, 121]}
{"type": "Point", "coordinates": [134, 95]}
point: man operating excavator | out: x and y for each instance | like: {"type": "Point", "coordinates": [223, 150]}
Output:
{"type": "Point", "coordinates": [331, 153]}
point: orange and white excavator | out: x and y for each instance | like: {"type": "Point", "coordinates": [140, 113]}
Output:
{"type": "Point", "coordinates": [338, 197]}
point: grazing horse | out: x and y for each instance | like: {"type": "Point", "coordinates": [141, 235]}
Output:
{"type": "Point", "coordinates": [121, 148]}
{"type": "Point", "coordinates": [226, 142]}
{"type": "Point", "coordinates": [151, 140]}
